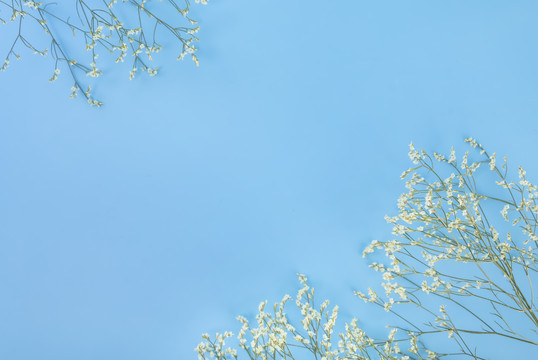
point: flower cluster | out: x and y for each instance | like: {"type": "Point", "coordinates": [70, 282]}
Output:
{"type": "Point", "coordinates": [452, 246]}
{"type": "Point", "coordinates": [127, 28]}
{"type": "Point", "coordinates": [275, 336]}
{"type": "Point", "coordinates": [462, 259]}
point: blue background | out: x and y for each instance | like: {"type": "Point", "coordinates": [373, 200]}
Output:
{"type": "Point", "coordinates": [129, 230]}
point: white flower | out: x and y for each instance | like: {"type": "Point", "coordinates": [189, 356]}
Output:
{"type": "Point", "coordinates": [492, 162]}
{"type": "Point", "coordinates": [504, 212]}
{"type": "Point", "coordinates": [413, 154]}
{"type": "Point", "coordinates": [388, 304]}
{"type": "Point", "coordinates": [452, 156]}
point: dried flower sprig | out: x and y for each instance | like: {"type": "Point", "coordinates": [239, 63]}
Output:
{"type": "Point", "coordinates": [100, 26]}
{"type": "Point", "coordinates": [276, 336]}
{"type": "Point", "coordinates": [464, 260]}
{"type": "Point", "coordinates": [452, 245]}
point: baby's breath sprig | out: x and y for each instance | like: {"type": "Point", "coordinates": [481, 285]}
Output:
{"type": "Point", "coordinates": [451, 246]}
{"type": "Point", "coordinates": [100, 26]}
{"type": "Point", "coordinates": [274, 335]}
{"type": "Point", "coordinates": [463, 259]}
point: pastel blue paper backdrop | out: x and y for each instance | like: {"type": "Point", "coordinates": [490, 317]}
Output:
{"type": "Point", "coordinates": [128, 231]}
